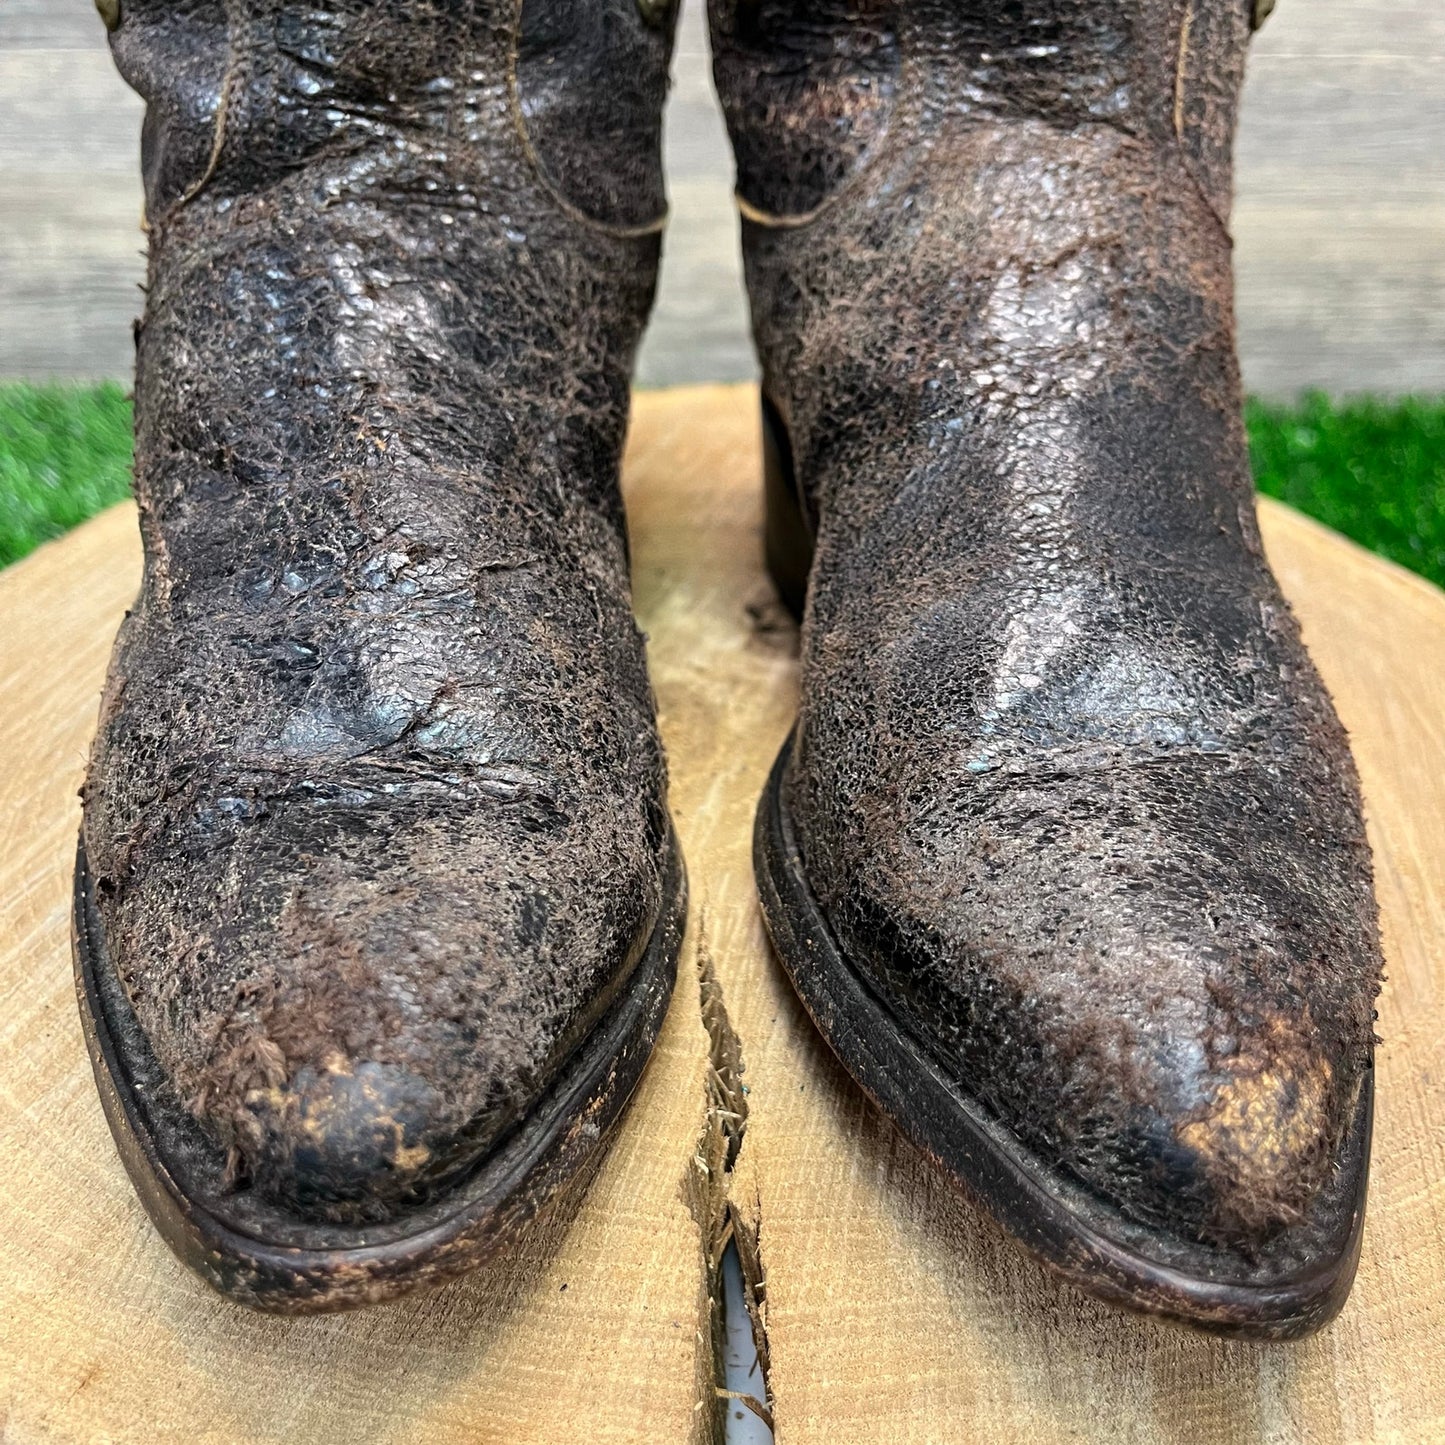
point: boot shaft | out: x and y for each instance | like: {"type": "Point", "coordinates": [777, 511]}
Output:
{"type": "Point", "coordinates": [812, 88]}
{"type": "Point", "coordinates": [243, 92]}
{"type": "Point", "coordinates": [988, 263]}
{"type": "Point", "coordinates": [376, 218]}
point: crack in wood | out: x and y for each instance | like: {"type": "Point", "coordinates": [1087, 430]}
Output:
{"type": "Point", "coordinates": [707, 1191]}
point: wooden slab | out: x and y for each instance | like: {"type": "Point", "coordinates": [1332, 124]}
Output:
{"type": "Point", "coordinates": [893, 1312]}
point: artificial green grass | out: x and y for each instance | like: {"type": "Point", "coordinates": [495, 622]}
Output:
{"type": "Point", "coordinates": [1374, 470]}
{"type": "Point", "coordinates": [64, 454]}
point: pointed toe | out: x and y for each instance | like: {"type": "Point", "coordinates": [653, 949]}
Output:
{"type": "Point", "coordinates": [345, 1142]}
{"type": "Point", "coordinates": [1164, 1142]}
{"type": "Point", "coordinates": [1261, 1145]}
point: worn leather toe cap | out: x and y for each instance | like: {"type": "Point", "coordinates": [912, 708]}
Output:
{"type": "Point", "coordinates": [1204, 1127]}
{"type": "Point", "coordinates": [1135, 982]}
{"type": "Point", "coordinates": [362, 1001]}
{"type": "Point", "coordinates": [1226, 1150]}
{"type": "Point", "coordinates": [345, 1139]}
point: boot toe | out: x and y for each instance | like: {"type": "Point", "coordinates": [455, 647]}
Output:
{"type": "Point", "coordinates": [1203, 1130]}
{"type": "Point", "coordinates": [1160, 998]}
{"type": "Point", "coordinates": [1259, 1149]}
{"type": "Point", "coordinates": [368, 1027]}
{"type": "Point", "coordinates": [346, 1140]}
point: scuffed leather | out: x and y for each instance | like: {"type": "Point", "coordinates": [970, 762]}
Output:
{"type": "Point", "coordinates": [591, 81]}
{"type": "Point", "coordinates": [1065, 782]}
{"type": "Point", "coordinates": [376, 811]}
{"type": "Point", "coordinates": [807, 87]}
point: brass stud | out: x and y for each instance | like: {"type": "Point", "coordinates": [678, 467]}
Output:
{"type": "Point", "coordinates": [1262, 10]}
{"type": "Point", "coordinates": [109, 11]}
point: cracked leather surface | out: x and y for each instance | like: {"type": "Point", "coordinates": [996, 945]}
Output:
{"type": "Point", "coordinates": [376, 812]}
{"type": "Point", "coordinates": [1065, 782]}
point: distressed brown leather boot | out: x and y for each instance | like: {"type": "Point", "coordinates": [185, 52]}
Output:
{"type": "Point", "coordinates": [1065, 855]}
{"type": "Point", "coordinates": [378, 904]}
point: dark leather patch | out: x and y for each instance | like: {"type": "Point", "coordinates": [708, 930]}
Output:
{"type": "Point", "coordinates": [591, 81]}
{"type": "Point", "coordinates": [807, 87]}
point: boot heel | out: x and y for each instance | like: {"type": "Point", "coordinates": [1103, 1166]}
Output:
{"type": "Point", "coordinates": [787, 537]}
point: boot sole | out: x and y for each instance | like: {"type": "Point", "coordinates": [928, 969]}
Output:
{"type": "Point", "coordinates": [1067, 1226]}
{"type": "Point", "coordinates": [269, 1259]}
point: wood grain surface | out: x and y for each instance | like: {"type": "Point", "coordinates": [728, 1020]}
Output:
{"type": "Point", "coordinates": [1339, 219]}
{"type": "Point", "coordinates": [893, 1311]}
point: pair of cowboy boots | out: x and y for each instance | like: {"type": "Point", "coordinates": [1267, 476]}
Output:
{"type": "Point", "coordinates": [378, 904]}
